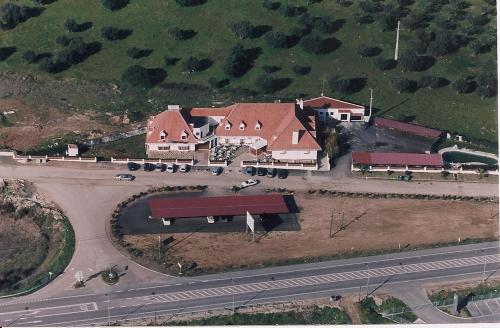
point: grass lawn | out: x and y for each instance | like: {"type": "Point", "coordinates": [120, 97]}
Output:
{"type": "Point", "coordinates": [132, 147]}
{"type": "Point", "coordinates": [312, 315]}
{"type": "Point", "coordinates": [150, 20]}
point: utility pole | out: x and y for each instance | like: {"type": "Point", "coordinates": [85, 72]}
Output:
{"type": "Point", "coordinates": [367, 280]}
{"type": "Point", "coordinates": [342, 227]}
{"type": "Point", "coordinates": [484, 267]}
{"type": "Point", "coordinates": [331, 226]}
{"type": "Point", "coordinates": [109, 314]}
{"type": "Point", "coordinates": [234, 309]}
{"type": "Point", "coordinates": [323, 89]}
{"type": "Point", "coordinates": [397, 43]}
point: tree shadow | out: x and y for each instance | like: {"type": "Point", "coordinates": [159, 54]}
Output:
{"type": "Point", "coordinates": [271, 68]}
{"type": "Point", "coordinates": [260, 30]}
{"type": "Point", "coordinates": [426, 62]}
{"type": "Point", "coordinates": [329, 45]}
{"type": "Point", "coordinates": [6, 52]}
{"type": "Point", "coordinates": [253, 53]}
{"type": "Point", "coordinates": [143, 53]}
{"type": "Point", "coordinates": [84, 26]}
{"type": "Point", "coordinates": [337, 25]}
{"type": "Point", "coordinates": [157, 75]}
{"type": "Point", "coordinates": [281, 83]}
{"type": "Point", "coordinates": [188, 34]}
{"type": "Point", "coordinates": [357, 84]}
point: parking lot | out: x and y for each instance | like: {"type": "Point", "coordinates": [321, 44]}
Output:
{"type": "Point", "coordinates": [373, 138]}
{"type": "Point", "coordinates": [134, 219]}
{"type": "Point", "coordinates": [484, 307]}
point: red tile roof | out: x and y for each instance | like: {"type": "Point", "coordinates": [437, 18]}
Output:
{"type": "Point", "coordinates": [224, 111]}
{"type": "Point", "coordinates": [173, 123]}
{"type": "Point", "coordinates": [327, 102]}
{"type": "Point", "coordinates": [411, 159]}
{"type": "Point", "coordinates": [407, 127]}
{"type": "Point", "coordinates": [277, 120]}
{"type": "Point", "coordinates": [216, 206]}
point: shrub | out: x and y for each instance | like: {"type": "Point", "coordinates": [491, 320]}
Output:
{"type": "Point", "coordinates": [12, 14]}
{"type": "Point", "coordinates": [367, 51]}
{"type": "Point", "coordinates": [180, 34]}
{"type": "Point", "coordinates": [410, 61]}
{"type": "Point", "coordinates": [71, 25]}
{"type": "Point", "coordinates": [384, 64]}
{"type": "Point", "coordinates": [193, 64]}
{"type": "Point", "coordinates": [443, 44]}
{"type": "Point", "coordinates": [139, 76]}
{"type": "Point", "coordinates": [289, 10]}
{"type": "Point", "coordinates": [29, 56]}
{"type": "Point", "coordinates": [113, 33]}
{"type": "Point", "coordinates": [270, 68]}
{"type": "Point", "coordinates": [323, 25]}
{"type": "Point", "coordinates": [301, 70]}
{"type": "Point", "coordinates": [277, 39]}
{"type": "Point", "coordinates": [464, 85]}
{"type": "Point", "coordinates": [431, 82]}
{"type": "Point", "coordinates": [313, 43]}
{"type": "Point", "coordinates": [265, 83]}
{"type": "Point", "coordinates": [270, 4]}
{"type": "Point", "coordinates": [190, 3]}
{"type": "Point", "coordinates": [114, 4]}
{"type": "Point", "coordinates": [6, 52]}
{"type": "Point", "coordinates": [242, 29]}
{"type": "Point", "coordinates": [339, 84]}
{"type": "Point", "coordinates": [169, 61]}
{"type": "Point", "coordinates": [135, 52]}
{"type": "Point", "coordinates": [238, 62]}
{"type": "Point", "coordinates": [401, 84]}
{"type": "Point", "coordinates": [363, 19]}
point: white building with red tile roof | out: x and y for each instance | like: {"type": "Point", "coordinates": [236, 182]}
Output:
{"type": "Point", "coordinates": [330, 108]}
{"type": "Point", "coordinates": [170, 131]}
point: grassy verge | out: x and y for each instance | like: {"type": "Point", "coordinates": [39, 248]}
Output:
{"type": "Point", "coordinates": [313, 315]}
{"type": "Point", "coordinates": [371, 313]}
{"type": "Point", "coordinates": [421, 176]}
{"type": "Point", "coordinates": [132, 147]}
{"type": "Point", "coordinates": [480, 290]}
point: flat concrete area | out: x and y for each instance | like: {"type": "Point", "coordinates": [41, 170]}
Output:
{"type": "Point", "coordinates": [133, 219]}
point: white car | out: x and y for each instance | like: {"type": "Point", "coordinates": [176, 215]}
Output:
{"type": "Point", "coordinates": [170, 167]}
{"type": "Point", "coordinates": [125, 177]}
{"type": "Point", "coordinates": [210, 219]}
{"type": "Point", "coordinates": [183, 168]}
{"type": "Point", "coordinates": [248, 183]}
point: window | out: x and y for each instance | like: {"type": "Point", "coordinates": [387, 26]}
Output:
{"type": "Point", "coordinates": [307, 152]}
{"type": "Point", "coordinates": [184, 135]}
{"type": "Point", "coordinates": [183, 147]}
{"type": "Point", "coordinates": [283, 152]}
{"type": "Point", "coordinates": [257, 125]}
{"type": "Point", "coordinates": [164, 148]}
{"type": "Point", "coordinates": [242, 141]}
{"type": "Point", "coordinates": [343, 117]}
{"type": "Point", "coordinates": [227, 126]}
{"type": "Point", "coordinates": [242, 125]}
{"type": "Point", "coordinates": [163, 135]}
{"type": "Point", "coordinates": [226, 141]}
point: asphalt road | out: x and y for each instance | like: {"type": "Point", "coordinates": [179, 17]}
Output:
{"type": "Point", "coordinates": [184, 295]}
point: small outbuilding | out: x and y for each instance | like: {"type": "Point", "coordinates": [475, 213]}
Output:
{"type": "Point", "coordinates": [72, 150]}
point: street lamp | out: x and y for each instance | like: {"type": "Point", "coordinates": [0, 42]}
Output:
{"type": "Point", "coordinates": [232, 281]}
{"type": "Point", "coordinates": [484, 267]}
{"type": "Point", "coordinates": [368, 279]}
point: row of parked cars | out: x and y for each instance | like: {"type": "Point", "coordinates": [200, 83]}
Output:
{"type": "Point", "coordinates": [262, 171]}
{"type": "Point", "coordinates": [162, 167]}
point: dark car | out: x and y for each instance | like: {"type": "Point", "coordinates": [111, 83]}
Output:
{"type": "Point", "coordinates": [282, 174]}
{"type": "Point", "coordinates": [249, 170]}
{"type": "Point", "coordinates": [133, 166]}
{"type": "Point", "coordinates": [261, 171]}
{"type": "Point", "coordinates": [271, 173]}
{"type": "Point", "coordinates": [149, 167]}
{"type": "Point", "coordinates": [161, 167]}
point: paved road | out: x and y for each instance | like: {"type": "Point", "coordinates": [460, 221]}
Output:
{"type": "Point", "coordinates": [363, 275]}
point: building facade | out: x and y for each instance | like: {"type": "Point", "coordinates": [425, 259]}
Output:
{"type": "Point", "coordinates": [328, 108]}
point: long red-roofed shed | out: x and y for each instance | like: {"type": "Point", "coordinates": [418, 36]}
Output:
{"type": "Point", "coordinates": [407, 127]}
{"type": "Point", "coordinates": [170, 208]}
{"type": "Point", "coordinates": [411, 159]}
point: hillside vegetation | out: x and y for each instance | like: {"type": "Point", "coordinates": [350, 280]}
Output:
{"type": "Point", "coordinates": [204, 52]}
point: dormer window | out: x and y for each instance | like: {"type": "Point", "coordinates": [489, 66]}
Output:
{"type": "Point", "coordinates": [163, 135]}
{"type": "Point", "coordinates": [184, 135]}
{"type": "Point", "coordinates": [258, 125]}
{"type": "Point", "coordinates": [242, 125]}
{"type": "Point", "coordinates": [227, 126]}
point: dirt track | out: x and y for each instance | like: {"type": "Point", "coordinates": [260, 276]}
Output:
{"type": "Point", "coordinates": [370, 224]}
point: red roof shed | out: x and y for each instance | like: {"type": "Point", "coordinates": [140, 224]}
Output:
{"type": "Point", "coordinates": [216, 206]}
{"type": "Point", "coordinates": [407, 127]}
{"type": "Point", "coordinates": [410, 159]}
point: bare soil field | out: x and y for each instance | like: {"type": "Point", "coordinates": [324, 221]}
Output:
{"type": "Point", "coordinates": [28, 127]}
{"type": "Point", "coordinates": [370, 225]}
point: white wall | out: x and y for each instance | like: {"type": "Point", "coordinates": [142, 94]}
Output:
{"type": "Point", "coordinates": [323, 113]}
{"type": "Point", "coordinates": [202, 131]}
{"type": "Point", "coordinates": [173, 146]}
{"type": "Point", "coordinates": [214, 120]}
{"type": "Point", "coordinates": [249, 141]}
{"type": "Point", "coordinates": [295, 155]}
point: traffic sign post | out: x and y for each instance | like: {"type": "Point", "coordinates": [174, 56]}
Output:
{"type": "Point", "coordinates": [251, 224]}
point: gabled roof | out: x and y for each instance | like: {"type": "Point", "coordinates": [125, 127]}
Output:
{"type": "Point", "coordinates": [407, 127]}
{"type": "Point", "coordinates": [278, 121]}
{"type": "Point", "coordinates": [173, 123]}
{"type": "Point", "coordinates": [369, 158]}
{"type": "Point", "coordinates": [223, 111]}
{"type": "Point", "coordinates": [327, 102]}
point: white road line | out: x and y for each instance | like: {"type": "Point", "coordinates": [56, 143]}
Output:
{"type": "Point", "coordinates": [489, 308]}
{"type": "Point", "coordinates": [204, 293]}
{"type": "Point", "coordinates": [479, 310]}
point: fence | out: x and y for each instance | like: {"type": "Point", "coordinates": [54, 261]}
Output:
{"type": "Point", "coordinates": [153, 161]}
{"type": "Point", "coordinates": [46, 158]}
{"type": "Point", "coordinates": [217, 162]}
{"type": "Point", "coordinates": [480, 297]}
{"type": "Point", "coordinates": [419, 170]}
{"type": "Point", "coordinates": [281, 165]}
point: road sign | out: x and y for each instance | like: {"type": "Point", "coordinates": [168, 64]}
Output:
{"type": "Point", "coordinates": [250, 222]}
{"type": "Point", "coordinates": [79, 276]}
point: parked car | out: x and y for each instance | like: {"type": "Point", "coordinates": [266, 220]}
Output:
{"type": "Point", "coordinates": [167, 222]}
{"type": "Point", "coordinates": [226, 219]}
{"type": "Point", "coordinates": [282, 173]}
{"type": "Point", "coordinates": [170, 167]}
{"type": "Point", "coordinates": [271, 173]}
{"type": "Point", "coordinates": [249, 170]}
{"type": "Point", "coordinates": [133, 166]}
{"type": "Point", "coordinates": [248, 183]}
{"type": "Point", "coordinates": [183, 168]}
{"type": "Point", "coordinates": [216, 170]}
{"type": "Point", "coordinates": [261, 171]}
{"type": "Point", "coordinates": [124, 177]}
{"type": "Point", "coordinates": [210, 219]}
{"type": "Point", "coordinates": [160, 167]}
{"type": "Point", "coordinates": [149, 167]}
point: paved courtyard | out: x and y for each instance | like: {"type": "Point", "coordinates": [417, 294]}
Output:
{"type": "Point", "coordinates": [484, 307]}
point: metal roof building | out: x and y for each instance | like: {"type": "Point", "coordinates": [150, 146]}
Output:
{"type": "Point", "coordinates": [410, 159]}
{"type": "Point", "coordinates": [407, 127]}
{"type": "Point", "coordinates": [170, 208]}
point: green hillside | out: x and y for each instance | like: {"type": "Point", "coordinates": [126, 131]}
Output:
{"type": "Point", "coordinates": [150, 22]}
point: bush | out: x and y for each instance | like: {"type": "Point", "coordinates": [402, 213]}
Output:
{"type": "Point", "coordinates": [242, 29]}
{"type": "Point", "coordinates": [270, 4]}
{"type": "Point", "coordinates": [323, 25]}
{"type": "Point", "coordinates": [402, 84]}
{"type": "Point", "coordinates": [289, 10]}
{"type": "Point", "coordinates": [139, 76]}
{"type": "Point", "coordinates": [12, 14]}
{"type": "Point", "coordinates": [238, 62]}
{"type": "Point", "coordinates": [444, 44]}
{"type": "Point", "coordinates": [180, 34]}
{"type": "Point", "coordinates": [363, 19]}
{"type": "Point", "coordinates": [384, 64]}
{"type": "Point", "coordinates": [169, 61]}
{"type": "Point", "coordinates": [190, 3]}
{"type": "Point", "coordinates": [6, 52]}
{"type": "Point", "coordinates": [464, 85]}
{"type": "Point", "coordinates": [136, 53]}
{"type": "Point", "coordinates": [29, 57]}
{"type": "Point", "coordinates": [301, 70]}
{"type": "Point", "coordinates": [71, 25]}
{"type": "Point", "coordinates": [277, 40]}
{"type": "Point", "coordinates": [431, 82]}
{"type": "Point", "coordinates": [342, 85]}
{"type": "Point", "coordinates": [270, 68]}
{"type": "Point", "coordinates": [113, 33]}
{"type": "Point", "coordinates": [114, 4]}
{"type": "Point", "coordinates": [367, 51]}
{"type": "Point", "coordinates": [315, 44]}
{"type": "Point", "coordinates": [193, 64]}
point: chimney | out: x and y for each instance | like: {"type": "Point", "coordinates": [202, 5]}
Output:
{"type": "Point", "coordinates": [173, 107]}
{"type": "Point", "coordinates": [295, 137]}
{"type": "Point", "coordinates": [300, 102]}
